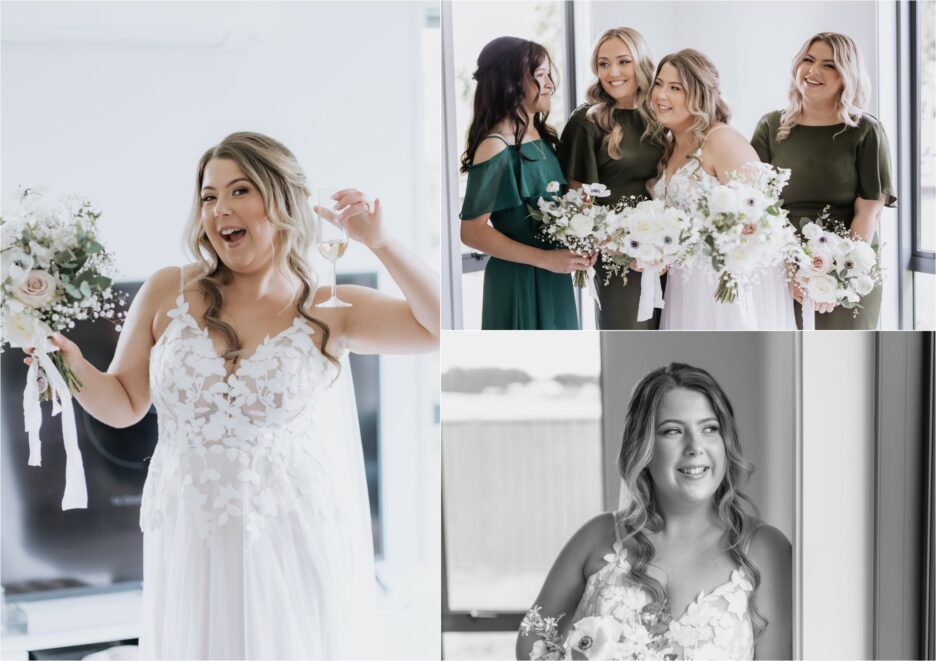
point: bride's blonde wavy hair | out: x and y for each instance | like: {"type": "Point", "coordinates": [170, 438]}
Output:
{"type": "Point", "coordinates": [704, 101]}
{"type": "Point", "coordinates": [601, 104]}
{"type": "Point", "coordinates": [276, 173]}
{"type": "Point", "coordinates": [639, 512]}
{"type": "Point", "coordinates": [856, 84]}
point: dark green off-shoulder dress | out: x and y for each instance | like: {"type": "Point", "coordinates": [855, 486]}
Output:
{"type": "Point", "coordinates": [583, 154]}
{"type": "Point", "coordinates": [519, 296]}
{"type": "Point", "coordinates": [831, 165]}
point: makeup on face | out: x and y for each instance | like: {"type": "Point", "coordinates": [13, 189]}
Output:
{"type": "Point", "coordinates": [668, 97]}
{"type": "Point", "coordinates": [617, 72]}
{"type": "Point", "coordinates": [689, 460]}
{"type": "Point", "coordinates": [817, 77]}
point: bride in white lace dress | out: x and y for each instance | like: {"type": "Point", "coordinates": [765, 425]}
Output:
{"type": "Point", "coordinates": [257, 540]}
{"type": "Point", "coordinates": [691, 120]}
{"type": "Point", "coordinates": [682, 563]}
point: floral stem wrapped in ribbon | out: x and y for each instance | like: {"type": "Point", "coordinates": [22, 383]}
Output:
{"type": "Point", "coordinates": [745, 227]}
{"type": "Point", "coordinates": [656, 238]}
{"type": "Point", "coordinates": [832, 265]}
{"type": "Point", "coordinates": [576, 222]}
{"type": "Point", "coordinates": [54, 272]}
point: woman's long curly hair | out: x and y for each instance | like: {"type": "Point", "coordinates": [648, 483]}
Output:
{"type": "Point", "coordinates": [639, 514]}
{"type": "Point", "coordinates": [704, 101]}
{"type": "Point", "coordinates": [601, 104]}
{"type": "Point", "coordinates": [505, 65]}
{"type": "Point", "coordinates": [856, 84]}
{"type": "Point", "coordinates": [276, 173]}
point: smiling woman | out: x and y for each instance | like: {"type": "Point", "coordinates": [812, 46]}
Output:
{"type": "Point", "coordinates": [257, 540]}
{"type": "Point", "coordinates": [684, 567]}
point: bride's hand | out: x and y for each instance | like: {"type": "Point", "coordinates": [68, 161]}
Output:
{"type": "Point", "coordinates": [796, 292]}
{"type": "Point", "coordinates": [362, 220]}
{"type": "Point", "coordinates": [69, 350]}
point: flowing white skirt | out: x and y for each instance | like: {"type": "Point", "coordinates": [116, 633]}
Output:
{"type": "Point", "coordinates": [690, 301]}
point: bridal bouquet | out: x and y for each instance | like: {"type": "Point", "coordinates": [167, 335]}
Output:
{"type": "Point", "coordinates": [654, 236]}
{"type": "Point", "coordinates": [831, 265]}
{"type": "Point", "coordinates": [640, 635]}
{"type": "Point", "coordinates": [575, 222]}
{"type": "Point", "coordinates": [54, 272]}
{"type": "Point", "coordinates": [745, 227]}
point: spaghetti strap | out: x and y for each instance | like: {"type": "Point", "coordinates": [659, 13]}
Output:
{"type": "Point", "coordinates": [707, 135]}
{"type": "Point", "coordinates": [498, 136]}
{"type": "Point", "coordinates": [747, 544]}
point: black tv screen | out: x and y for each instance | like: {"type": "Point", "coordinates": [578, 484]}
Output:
{"type": "Point", "coordinates": [45, 550]}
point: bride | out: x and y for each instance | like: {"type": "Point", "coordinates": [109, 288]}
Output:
{"type": "Point", "coordinates": [255, 519]}
{"type": "Point", "coordinates": [683, 556]}
{"type": "Point", "coordinates": [692, 122]}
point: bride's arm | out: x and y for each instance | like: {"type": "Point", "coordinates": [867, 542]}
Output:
{"type": "Point", "coordinates": [376, 322]}
{"type": "Point", "coordinates": [727, 151]}
{"type": "Point", "coordinates": [565, 582]}
{"type": "Point", "coordinates": [770, 550]}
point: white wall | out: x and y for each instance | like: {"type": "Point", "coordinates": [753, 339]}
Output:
{"type": "Point", "coordinates": [838, 495]}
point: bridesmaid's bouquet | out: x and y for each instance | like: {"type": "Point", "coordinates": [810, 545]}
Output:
{"type": "Point", "coordinates": [654, 236]}
{"type": "Point", "coordinates": [832, 265]}
{"type": "Point", "coordinates": [745, 227]}
{"type": "Point", "coordinates": [55, 271]}
{"type": "Point", "coordinates": [575, 222]}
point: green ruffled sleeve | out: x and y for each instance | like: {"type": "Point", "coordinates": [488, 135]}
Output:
{"type": "Point", "coordinates": [578, 148]}
{"type": "Point", "coordinates": [761, 139]}
{"type": "Point", "coordinates": [874, 166]}
{"type": "Point", "coordinates": [492, 186]}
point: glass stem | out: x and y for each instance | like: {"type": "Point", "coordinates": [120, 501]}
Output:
{"type": "Point", "coordinates": [334, 282]}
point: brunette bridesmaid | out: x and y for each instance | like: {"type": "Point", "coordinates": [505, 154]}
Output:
{"type": "Point", "coordinates": [838, 155]}
{"type": "Point", "coordinates": [604, 142]}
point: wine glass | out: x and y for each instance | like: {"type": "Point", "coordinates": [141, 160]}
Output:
{"type": "Point", "coordinates": [331, 240]}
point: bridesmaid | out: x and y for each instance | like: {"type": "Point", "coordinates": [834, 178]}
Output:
{"type": "Point", "coordinates": [603, 142]}
{"type": "Point", "coordinates": [838, 155]}
{"type": "Point", "coordinates": [510, 158]}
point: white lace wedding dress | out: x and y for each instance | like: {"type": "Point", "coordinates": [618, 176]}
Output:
{"type": "Point", "coordinates": [257, 539]}
{"type": "Point", "coordinates": [689, 300]}
{"type": "Point", "coordinates": [716, 625]}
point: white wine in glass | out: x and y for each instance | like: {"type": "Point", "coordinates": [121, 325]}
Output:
{"type": "Point", "coordinates": [331, 240]}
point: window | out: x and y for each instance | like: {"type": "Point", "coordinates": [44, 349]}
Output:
{"type": "Point", "coordinates": [521, 467]}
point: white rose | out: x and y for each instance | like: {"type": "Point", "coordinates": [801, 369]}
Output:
{"type": "Point", "coordinates": [581, 225]}
{"type": "Point", "coordinates": [16, 265]}
{"type": "Point", "coordinates": [744, 258]}
{"type": "Point", "coordinates": [36, 290]}
{"type": "Point", "coordinates": [822, 289]}
{"type": "Point", "coordinates": [640, 226]}
{"type": "Point", "coordinates": [862, 284]}
{"type": "Point", "coordinates": [24, 330]}
{"type": "Point", "coordinates": [724, 200]}
{"type": "Point", "coordinates": [552, 187]}
{"type": "Point", "coordinates": [42, 255]}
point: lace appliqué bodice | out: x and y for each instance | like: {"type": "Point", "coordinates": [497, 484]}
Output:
{"type": "Point", "coordinates": [238, 449]}
{"type": "Point", "coordinates": [716, 625]}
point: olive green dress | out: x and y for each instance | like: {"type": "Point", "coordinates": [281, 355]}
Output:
{"type": "Point", "coordinates": [583, 154]}
{"type": "Point", "coordinates": [519, 296]}
{"type": "Point", "coordinates": [831, 165]}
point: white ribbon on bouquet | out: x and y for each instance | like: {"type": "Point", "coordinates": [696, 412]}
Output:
{"type": "Point", "coordinates": [76, 491]}
{"type": "Point", "coordinates": [745, 301]}
{"type": "Point", "coordinates": [651, 293]}
{"type": "Point", "coordinates": [809, 313]}
{"type": "Point", "coordinates": [590, 275]}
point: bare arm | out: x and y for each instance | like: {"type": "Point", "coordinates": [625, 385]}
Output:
{"type": "Point", "coordinates": [120, 397]}
{"type": "Point", "coordinates": [770, 550]}
{"type": "Point", "coordinates": [727, 151]}
{"type": "Point", "coordinates": [376, 322]}
{"type": "Point", "coordinates": [565, 582]}
{"type": "Point", "coordinates": [867, 216]}
{"type": "Point", "coordinates": [478, 234]}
